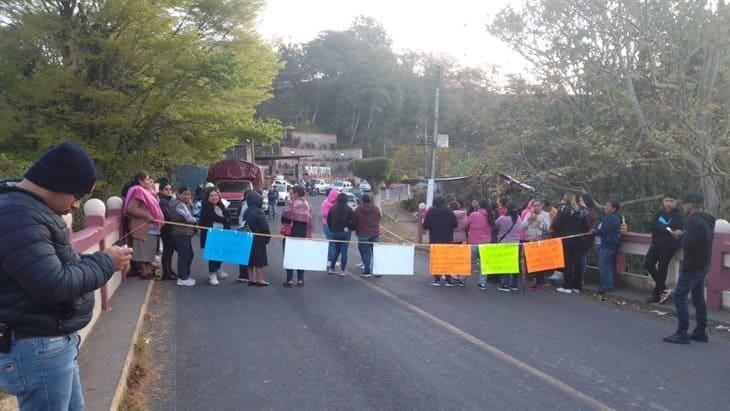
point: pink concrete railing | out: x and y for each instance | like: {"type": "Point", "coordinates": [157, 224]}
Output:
{"type": "Point", "coordinates": [102, 229]}
{"type": "Point", "coordinates": [718, 280]}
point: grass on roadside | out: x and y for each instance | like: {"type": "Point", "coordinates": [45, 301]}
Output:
{"type": "Point", "coordinates": [140, 373]}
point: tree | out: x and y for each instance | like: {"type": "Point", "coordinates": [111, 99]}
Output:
{"type": "Point", "coordinates": [651, 77]}
{"type": "Point", "coordinates": [375, 169]}
{"type": "Point", "coordinates": [139, 84]}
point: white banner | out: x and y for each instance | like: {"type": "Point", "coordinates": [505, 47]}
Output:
{"type": "Point", "coordinates": [393, 259]}
{"type": "Point", "coordinates": [303, 254]}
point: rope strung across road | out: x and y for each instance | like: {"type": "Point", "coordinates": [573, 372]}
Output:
{"type": "Point", "coordinates": [346, 241]}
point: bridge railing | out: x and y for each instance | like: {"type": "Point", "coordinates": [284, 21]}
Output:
{"type": "Point", "coordinates": [103, 227]}
{"type": "Point", "coordinates": [718, 280]}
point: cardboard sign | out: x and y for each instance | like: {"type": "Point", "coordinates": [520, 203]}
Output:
{"type": "Point", "coordinates": [454, 259]}
{"type": "Point", "coordinates": [500, 258]}
{"type": "Point", "coordinates": [303, 254]}
{"type": "Point", "coordinates": [393, 259]}
{"type": "Point", "coordinates": [229, 246]}
{"type": "Point", "coordinates": [544, 255]}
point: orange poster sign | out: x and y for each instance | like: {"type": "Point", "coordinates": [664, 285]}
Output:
{"type": "Point", "coordinates": [450, 259]}
{"type": "Point", "coordinates": [544, 255]}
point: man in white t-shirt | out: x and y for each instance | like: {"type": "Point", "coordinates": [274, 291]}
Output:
{"type": "Point", "coordinates": [537, 227]}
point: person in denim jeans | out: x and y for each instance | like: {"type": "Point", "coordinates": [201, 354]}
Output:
{"type": "Point", "coordinates": [610, 233]}
{"type": "Point", "coordinates": [697, 238]}
{"type": "Point", "coordinates": [367, 220]}
{"type": "Point", "coordinates": [182, 212]}
{"type": "Point", "coordinates": [47, 292]}
{"type": "Point", "coordinates": [341, 221]}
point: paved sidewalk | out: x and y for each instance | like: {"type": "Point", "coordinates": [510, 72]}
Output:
{"type": "Point", "coordinates": [105, 352]}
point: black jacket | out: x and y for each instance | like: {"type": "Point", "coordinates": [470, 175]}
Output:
{"type": "Point", "coordinates": [208, 217]}
{"type": "Point", "coordinates": [659, 224]}
{"type": "Point", "coordinates": [341, 216]}
{"type": "Point", "coordinates": [46, 287]}
{"type": "Point", "coordinates": [699, 231]}
{"type": "Point", "coordinates": [255, 217]}
{"type": "Point", "coordinates": [168, 212]}
{"type": "Point", "coordinates": [440, 223]}
{"type": "Point", "coordinates": [570, 222]}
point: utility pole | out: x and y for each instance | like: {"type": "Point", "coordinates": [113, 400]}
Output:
{"type": "Point", "coordinates": [432, 182]}
{"type": "Point", "coordinates": [425, 145]}
{"type": "Point", "coordinates": [435, 125]}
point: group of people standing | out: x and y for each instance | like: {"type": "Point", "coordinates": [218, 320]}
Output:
{"type": "Point", "coordinates": [339, 221]}
{"type": "Point", "coordinates": [576, 221]}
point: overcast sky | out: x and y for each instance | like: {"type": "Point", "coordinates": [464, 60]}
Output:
{"type": "Point", "coordinates": [454, 27]}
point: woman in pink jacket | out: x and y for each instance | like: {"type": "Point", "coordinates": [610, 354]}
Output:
{"type": "Point", "coordinates": [479, 225]}
{"type": "Point", "coordinates": [324, 209]}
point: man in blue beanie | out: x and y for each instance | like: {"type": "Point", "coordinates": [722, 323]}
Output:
{"type": "Point", "coordinates": [46, 287]}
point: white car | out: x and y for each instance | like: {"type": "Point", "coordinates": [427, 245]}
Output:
{"type": "Point", "coordinates": [340, 185]}
{"type": "Point", "coordinates": [284, 195]}
{"type": "Point", "coordinates": [319, 186]}
{"type": "Point", "coordinates": [365, 186]}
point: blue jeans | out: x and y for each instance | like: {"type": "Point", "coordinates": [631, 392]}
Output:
{"type": "Point", "coordinates": [695, 284]}
{"type": "Point", "coordinates": [42, 372]}
{"type": "Point", "coordinates": [509, 280]}
{"type": "Point", "coordinates": [340, 248]}
{"type": "Point", "coordinates": [607, 267]}
{"type": "Point", "coordinates": [331, 248]}
{"type": "Point", "coordinates": [185, 254]}
{"type": "Point", "coordinates": [366, 252]}
{"type": "Point", "coordinates": [272, 209]}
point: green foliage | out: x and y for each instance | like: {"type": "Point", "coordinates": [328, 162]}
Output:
{"type": "Point", "coordinates": [139, 84]}
{"type": "Point", "coordinates": [374, 169]}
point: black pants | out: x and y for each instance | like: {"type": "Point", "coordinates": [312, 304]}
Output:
{"type": "Point", "coordinates": [168, 248]}
{"type": "Point", "coordinates": [185, 254]}
{"type": "Point", "coordinates": [573, 265]}
{"type": "Point", "coordinates": [656, 263]}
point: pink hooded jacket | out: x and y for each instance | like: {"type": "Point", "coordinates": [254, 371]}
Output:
{"type": "Point", "coordinates": [328, 203]}
{"type": "Point", "coordinates": [477, 224]}
{"type": "Point", "coordinates": [460, 230]}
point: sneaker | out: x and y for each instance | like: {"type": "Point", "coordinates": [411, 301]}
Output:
{"type": "Point", "coordinates": [576, 291]}
{"type": "Point", "coordinates": [343, 273]}
{"type": "Point", "coordinates": [242, 279]}
{"type": "Point", "coordinates": [514, 288]}
{"type": "Point", "coordinates": [222, 275]}
{"type": "Point", "coordinates": [449, 284]}
{"type": "Point", "coordinates": [213, 279]}
{"type": "Point", "coordinates": [461, 283]}
{"type": "Point", "coordinates": [337, 263]}
{"type": "Point", "coordinates": [361, 265]}
{"type": "Point", "coordinates": [331, 271]}
{"type": "Point", "coordinates": [680, 337]}
{"type": "Point", "coordinates": [504, 288]}
{"type": "Point", "coordinates": [665, 296]}
{"type": "Point", "coordinates": [534, 286]}
{"type": "Point", "coordinates": [564, 290]}
{"type": "Point", "coordinates": [186, 283]}
{"type": "Point", "coordinates": [699, 335]}
{"type": "Point", "coordinates": [482, 287]}
{"type": "Point", "coordinates": [366, 275]}
{"type": "Point", "coordinates": [539, 288]}
{"type": "Point", "coordinates": [436, 283]}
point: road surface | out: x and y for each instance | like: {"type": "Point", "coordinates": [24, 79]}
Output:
{"type": "Point", "coordinates": [401, 344]}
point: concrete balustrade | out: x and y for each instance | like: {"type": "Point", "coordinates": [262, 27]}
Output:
{"type": "Point", "coordinates": [718, 280]}
{"type": "Point", "coordinates": [103, 225]}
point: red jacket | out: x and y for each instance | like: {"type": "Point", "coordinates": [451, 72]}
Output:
{"type": "Point", "coordinates": [367, 219]}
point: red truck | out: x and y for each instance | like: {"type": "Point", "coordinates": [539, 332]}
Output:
{"type": "Point", "coordinates": [233, 178]}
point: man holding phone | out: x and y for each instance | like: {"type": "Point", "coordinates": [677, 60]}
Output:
{"type": "Point", "coordinates": [663, 246]}
{"type": "Point", "coordinates": [46, 287]}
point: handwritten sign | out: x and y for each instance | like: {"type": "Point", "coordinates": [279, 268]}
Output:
{"type": "Point", "coordinates": [544, 255]}
{"type": "Point", "coordinates": [393, 259]}
{"type": "Point", "coordinates": [303, 254]}
{"type": "Point", "coordinates": [454, 259]}
{"type": "Point", "coordinates": [228, 246]}
{"type": "Point", "coordinates": [499, 258]}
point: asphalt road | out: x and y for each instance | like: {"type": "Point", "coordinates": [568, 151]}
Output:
{"type": "Point", "coordinates": [401, 344]}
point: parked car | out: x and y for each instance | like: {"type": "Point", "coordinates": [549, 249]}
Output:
{"type": "Point", "coordinates": [365, 186]}
{"type": "Point", "coordinates": [340, 185]}
{"type": "Point", "coordinates": [351, 200]}
{"type": "Point", "coordinates": [320, 187]}
{"type": "Point", "coordinates": [356, 192]}
{"type": "Point", "coordinates": [283, 194]}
